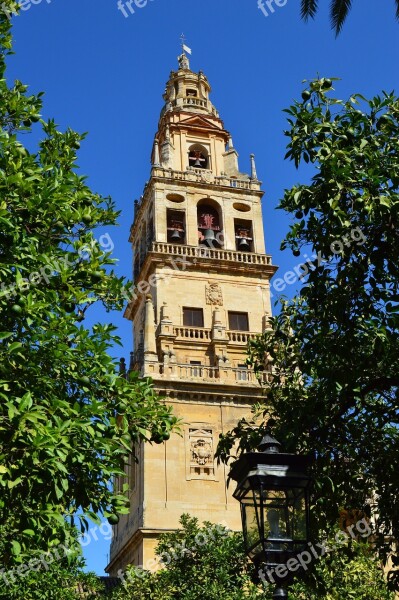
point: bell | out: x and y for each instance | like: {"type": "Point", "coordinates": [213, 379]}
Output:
{"type": "Point", "coordinates": [197, 163]}
{"type": "Point", "coordinates": [209, 236]}
{"type": "Point", "coordinates": [243, 244]}
{"type": "Point", "coordinates": [176, 235]}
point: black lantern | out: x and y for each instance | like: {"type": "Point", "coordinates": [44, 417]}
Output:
{"type": "Point", "coordinates": [273, 490]}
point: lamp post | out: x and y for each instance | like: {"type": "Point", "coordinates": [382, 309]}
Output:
{"type": "Point", "coordinates": [273, 491]}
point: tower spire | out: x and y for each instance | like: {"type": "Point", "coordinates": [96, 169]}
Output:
{"type": "Point", "coordinates": [184, 63]}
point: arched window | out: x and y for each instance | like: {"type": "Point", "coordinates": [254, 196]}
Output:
{"type": "Point", "coordinates": [175, 220]}
{"type": "Point", "coordinates": [198, 157]}
{"type": "Point", "coordinates": [209, 223]}
{"type": "Point", "coordinates": [243, 235]}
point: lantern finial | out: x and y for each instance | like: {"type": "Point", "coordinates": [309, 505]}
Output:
{"type": "Point", "coordinates": [280, 594]}
{"type": "Point", "coordinates": [269, 445]}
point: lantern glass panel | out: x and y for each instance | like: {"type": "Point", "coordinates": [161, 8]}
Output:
{"type": "Point", "coordinates": [276, 515]}
{"type": "Point", "coordinates": [250, 520]}
{"type": "Point", "coordinates": [284, 514]}
{"type": "Point", "coordinates": [298, 515]}
{"type": "Point", "coordinates": [251, 529]}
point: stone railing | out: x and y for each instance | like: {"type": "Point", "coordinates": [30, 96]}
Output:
{"type": "Point", "coordinates": [240, 337]}
{"type": "Point", "coordinates": [193, 333]}
{"type": "Point", "coordinates": [206, 176]}
{"type": "Point", "coordinates": [218, 254]}
{"type": "Point", "coordinates": [194, 101]}
{"type": "Point", "coordinates": [241, 184]}
{"type": "Point", "coordinates": [198, 171]}
{"type": "Point", "coordinates": [197, 372]}
{"type": "Point", "coordinates": [201, 333]}
{"type": "Point", "coordinates": [220, 375]}
{"type": "Point", "coordinates": [242, 375]}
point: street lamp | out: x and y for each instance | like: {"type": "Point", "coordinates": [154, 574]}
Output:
{"type": "Point", "coordinates": [273, 490]}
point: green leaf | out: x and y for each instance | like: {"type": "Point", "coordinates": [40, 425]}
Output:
{"type": "Point", "coordinates": [16, 547]}
{"type": "Point", "coordinates": [5, 334]}
{"type": "Point", "coordinates": [14, 346]}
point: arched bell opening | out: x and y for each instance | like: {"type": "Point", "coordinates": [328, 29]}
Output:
{"type": "Point", "coordinates": [210, 225]}
{"type": "Point", "coordinates": [176, 226]}
{"type": "Point", "coordinates": [243, 235]}
{"type": "Point", "coordinates": [198, 157]}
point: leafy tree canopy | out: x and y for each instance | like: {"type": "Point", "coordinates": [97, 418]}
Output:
{"type": "Point", "coordinates": [210, 562]}
{"type": "Point", "coordinates": [339, 10]}
{"type": "Point", "coordinates": [67, 420]}
{"type": "Point", "coordinates": [334, 348]}
{"type": "Point", "coordinates": [54, 575]}
{"type": "Point", "coordinates": [198, 561]}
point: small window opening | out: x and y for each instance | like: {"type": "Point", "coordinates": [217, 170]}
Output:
{"type": "Point", "coordinates": [208, 225]}
{"type": "Point", "coordinates": [238, 321]}
{"type": "Point", "coordinates": [193, 317]}
{"type": "Point", "coordinates": [175, 220]}
{"type": "Point", "coordinates": [197, 159]}
{"type": "Point", "coordinates": [243, 235]}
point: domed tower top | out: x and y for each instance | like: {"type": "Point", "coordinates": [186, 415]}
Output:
{"type": "Point", "coordinates": [188, 91]}
{"type": "Point", "coordinates": [191, 136]}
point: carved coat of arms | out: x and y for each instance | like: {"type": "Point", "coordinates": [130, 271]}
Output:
{"type": "Point", "coordinates": [214, 294]}
{"type": "Point", "coordinates": [201, 452]}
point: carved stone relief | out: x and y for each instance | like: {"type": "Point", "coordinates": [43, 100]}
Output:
{"type": "Point", "coordinates": [214, 294]}
{"type": "Point", "coordinates": [201, 452]}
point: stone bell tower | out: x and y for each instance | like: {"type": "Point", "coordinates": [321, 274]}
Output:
{"type": "Point", "coordinates": [202, 291]}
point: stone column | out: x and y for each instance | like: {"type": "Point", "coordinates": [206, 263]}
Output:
{"type": "Point", "coordinates": [166, 338]}
{"type": "Point", "coordinates": [253, 168]}
{"type": "Point", "coordinates": [150, 349]}
{"type": "Point", "coordinates": [156, 154]}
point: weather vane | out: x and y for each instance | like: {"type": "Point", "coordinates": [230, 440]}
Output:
{"type": "Point", "coordinates": [183, 45]}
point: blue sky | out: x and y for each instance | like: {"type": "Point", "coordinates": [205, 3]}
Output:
{"type": "Point", "coordinates": [105, 74]}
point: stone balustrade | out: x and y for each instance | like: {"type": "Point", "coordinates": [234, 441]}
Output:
{"type": "Point", "coordinates": [194, 101]}
{"type": "Point", "coordinates": [203, 334]}
{"type": "Point", "coordinates": [241, 337]}
{"type": "Point", "coordinates": [219, 375]}
{"type": "Point", "coordinates": [206, 176]}
{"type": "Point", "coordinates": [204, 252]}
{"type": "Point", "coordinates": [193, 333]}
{"type": "Point", "coordinates": [196, 372]}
